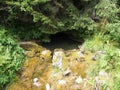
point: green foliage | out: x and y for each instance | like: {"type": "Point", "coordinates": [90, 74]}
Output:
{"type": "Point", "coordinates": [94, 44]}
{"type": "Point", "coordinates": [48, 17]}
{"type": "Point", "coordinates": [110, 24]}
{"type": "Point", "coordinates": [113, 31]}
{"type": "Point", "coordinates": [24, 32]}
{"type": "Point", "coordinates": [38, 19]}
{"type": "Point", "coordinates": [107, 9]}
{"type": "Point", "coordinates": [117, 81]}
{"type": "Point", "coordinates": [32, 19]}
{"type": "Point", "coordinates": [110, 61]}
{"type": "Point", "coordinates": [11, 57]}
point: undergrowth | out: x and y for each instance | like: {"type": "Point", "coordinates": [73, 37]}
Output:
{"type": "Point", "coordinates": [11, 58]}
{"type": "Point", "coordinates": [109, 61]}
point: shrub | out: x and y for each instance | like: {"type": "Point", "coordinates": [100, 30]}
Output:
{"type": "Point", "coordinates": [110, 61]}
{"type": "Point", "coordinates": [11, 57]}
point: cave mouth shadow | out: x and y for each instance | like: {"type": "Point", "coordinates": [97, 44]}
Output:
{"type": "Point", "coordinates": [61, 40]}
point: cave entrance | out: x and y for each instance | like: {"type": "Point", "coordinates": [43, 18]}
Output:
{"type": "Point", "coordinates": [61, 40]}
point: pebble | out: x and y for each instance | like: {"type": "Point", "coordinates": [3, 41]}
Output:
{"type": "Point", "coordinates": [67, 72]}
{"type": "Point", "coordinates": [102, 73]}
{"type": "Point", "coordinates": [44, 52]}
{"type": "Point", "coordinates": [47, 86]}
{"type": "Point", "coordinates": [62, 82]}
{"type": "Point", "coordinates": [80, 54]}
{"type": "Point", "coordinates": [35, 82]}
{"type": "Point", "coordinates": [79, 80]}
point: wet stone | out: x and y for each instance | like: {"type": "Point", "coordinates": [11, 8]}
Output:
{"type": "Point", "coordinates": [65, 70]}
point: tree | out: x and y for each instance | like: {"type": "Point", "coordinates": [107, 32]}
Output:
{"type": "Point", "coordinates": [46, 17]}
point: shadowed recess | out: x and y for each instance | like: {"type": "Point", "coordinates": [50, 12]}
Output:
{"type": "Point", "coordinates": [61, 40]}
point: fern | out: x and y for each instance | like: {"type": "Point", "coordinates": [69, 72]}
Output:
{"type": "Point", "coordinates": [11, 57]}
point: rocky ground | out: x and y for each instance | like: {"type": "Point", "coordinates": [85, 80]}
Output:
{"type": "Point", "coordinates": [57, 70]}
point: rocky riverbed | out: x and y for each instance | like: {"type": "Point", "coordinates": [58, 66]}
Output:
{"type": "Point", "coordinates": [57, 70]}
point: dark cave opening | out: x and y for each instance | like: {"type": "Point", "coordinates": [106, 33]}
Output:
{"type": "Point", "coordinates": [61, 40]}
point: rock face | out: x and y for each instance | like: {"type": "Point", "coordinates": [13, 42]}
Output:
{"type": "Point", "coordinates": [65, 70]}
